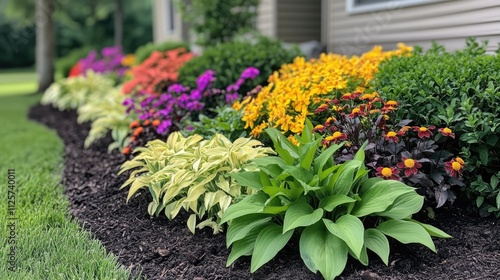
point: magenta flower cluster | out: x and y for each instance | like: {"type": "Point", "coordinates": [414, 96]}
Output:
{"type": "Point", "coordinates": [109, 61]}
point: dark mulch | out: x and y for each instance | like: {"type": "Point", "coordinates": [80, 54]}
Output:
{"type": "Point", "coordinates": [165, 249]}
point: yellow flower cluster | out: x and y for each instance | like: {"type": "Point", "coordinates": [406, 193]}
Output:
{"type": "Point", "coordinates": [287, 100]}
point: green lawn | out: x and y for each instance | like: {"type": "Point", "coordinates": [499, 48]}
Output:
{"type": "Point", "coordinates": [48, 244]}
{"type": "Point", "coordinates": [17, 81]}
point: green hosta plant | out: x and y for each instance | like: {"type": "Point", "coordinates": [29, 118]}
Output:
{"type": "Point", "coordinates": [335, 209]}
{"type": "Point", "coordinates": [74, 92]}
{"type": "Point", "coordinates": [192, 174]}
{"type": "Point", "coordinates": [107, 113]}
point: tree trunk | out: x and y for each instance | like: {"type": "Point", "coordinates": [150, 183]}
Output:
{"type": "Point", "coordinates": [45, 43]}
{"type": "Point", "coordinates": [118, 22]}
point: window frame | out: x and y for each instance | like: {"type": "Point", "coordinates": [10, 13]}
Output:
{"type": "Point", "coordinates": [353, 8]}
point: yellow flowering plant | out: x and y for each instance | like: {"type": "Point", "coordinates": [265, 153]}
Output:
{"type": "Point", "coordinates": [297, 89]}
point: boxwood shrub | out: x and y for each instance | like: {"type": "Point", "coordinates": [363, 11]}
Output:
{"type": "Point", "coordinates": [460, 90]}
{"type": "Point", "coordinates": [143, 52]}
{"type": "Point", "coordinates": [229, 59]}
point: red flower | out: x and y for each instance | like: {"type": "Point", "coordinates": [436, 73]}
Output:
{"type": "Point", "coordinates": [356, 112]}
{"type": "Point", "coordinates": [424, 132]}
{"type": "Point", "coordinates": [455, 167]}
{"type": "Point", "coordinates": [319, 127]}
{"type": "Point", "coordinates": [337, 136]}
{"type": "Point", "coordinates": [391, 136]}
{"type": "Point", "coordinates": [388, 173]}
{"type": "Point", "coordinates": [75, 70]}
{"type": "Point", "coordinates": [410, 166]}
{"type": "Point", "coordinates": [447, 132]}
{"type": "Point", "coordinates": [321, 108]}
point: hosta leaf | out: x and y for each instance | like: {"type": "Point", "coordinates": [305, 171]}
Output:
{"type": "Point", "coordinates": [345, 180]}
{"type": "Point", "coordinates": [378, 243]}
{"type": "Point", "coordinates": [301, 214]}
{"type": "Point", "coordinates": [191, 223]}
{"type": "Point", "coordinates": [432, 230]}
{"type": "Point", "coordinates": [307, 153]}
{"type": "Point", "coordinates": [244, 246]}
{"type": "Point", "coordinates": [331, 202]}
{"type": "Point", "coordinates": [320, 161]}
{"type": "Point", "coordinates": [248, 179]}
{"type": "Point", "coordinates": [268, 243]}
{"type": "Point", "coordinates": [350, 229]}
{"type": "Point", "coordinates": [242, 226]}
{"type": "Point", "coordinates": [251, 204]}
{"type": "Point", "coordinates": [323, 251]}
{"type": "Point", "coordinates": [404, 206]}
{"type": "Point", "coordinates": [407, 232]}
{"type": "Point", "coordinates": [280, 140]}
{"type": "Point", "coordinates": [379, 197]}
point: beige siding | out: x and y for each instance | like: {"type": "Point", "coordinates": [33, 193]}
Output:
{"type": "Point", "coordinates": [446, 22]}
{"type": "Point", "coordinates": [266, 17]}
{"type": "Point", "coordinates": [299, 20]}
{"type": "Point", "coordinates": [161, 32]}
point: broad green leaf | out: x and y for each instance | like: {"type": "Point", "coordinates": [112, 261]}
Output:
{"type": "Point", "coordinates": [308, 187]}
{"type": "Point", "coordinates": [360, 154]}
{"type": "Point", "coordinates": [498, 200]}
{"type": "Point", "coordinates": [323, 251]}
{"type": "Point", "coordinates": [331, 202]}
{"type": "Point", "coordinates": [404, 206]}
{"type": "Point", "coordinates": [345, 180]}
{"type": "Point", "coordinates": [268, 243]}
{"type": "Point", "coordinates": [407, 232]}
{"type": "Point", "coordinates": [300, 173]}
{"type": "Point", "coordinates": [269, 160]}
{"type": "Point", "coordinates": [191, 223]}
{"type": "Point", "coordinates": [272, 170]}
{"type": "Point", "coordinates": [307, 153]}
{"type": "Point", "coordinates": [244, 247]}
{"type": "Point", "coordinates": [320, 161]}
{"type": "Point", "coordinates": [350, 229]}
{"type": "Point", "coordinates": [378, 243]}
{"type": "Point", "coordinates": [251, 204]}
{"type": "Point", "coordinates": [432, 230]}
{"type": "Point", "coordinates": [280, 140]}
{"type": "Point", "coordinates": [242, 226]}
{"type": "Point", "coordinates": [301, 214]}
{"type": "Point", "coordinates": [248, 179]}
{"type": "Point", "coordinates": [379, 197]}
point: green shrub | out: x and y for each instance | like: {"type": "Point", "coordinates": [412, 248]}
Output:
{"type": "Point", "coordinates": [192, 174]}
{"type": "Point", "coordinates": [64, 64]}
{"type": "Point", "coordinates": [143, 52]}
{"type": "Point", "coordinates": [459, 90]}
{"type": "Point", "coordinates": [228, 60]}
{"type": "Point", "coordinates": [335, 209]}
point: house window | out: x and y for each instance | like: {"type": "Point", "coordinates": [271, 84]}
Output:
{"type": "Point", "coordinates": [364, 6]}
{"type": "Point", "coordinates": [170, 16]}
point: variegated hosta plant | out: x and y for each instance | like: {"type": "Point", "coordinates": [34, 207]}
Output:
{"type": "Point", "coordinates": [335, 209]}
{"type": "Point", "coordinates": [192, 174]}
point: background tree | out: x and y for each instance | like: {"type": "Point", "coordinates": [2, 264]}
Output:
{"type": "Point", "coordinates": [45, 43]}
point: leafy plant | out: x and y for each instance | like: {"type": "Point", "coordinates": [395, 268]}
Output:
{"type": "Point", "coordinates": [107, 114]}
{"type": "Point", "coordinates": [74, 92]}
{"type": "Point", "coordinates": [335, 209]}
{"type": "Point", "coordinates": [229, 59]}
{"type": "Point", "coordinates": [143, 52]}
{"type": "Point", "coordinates": [467, 82]}
{"type": "Point", "coordinates": [192, 174]}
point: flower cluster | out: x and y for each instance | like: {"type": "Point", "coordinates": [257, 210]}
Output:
{"type": "Point", "coordinates": [110, 61]}
{"type": "Point", "coordinates": [298, 87]}
{"type": "Point", "coordinates": [159, 115]}
{"type": "Point", "coordinates": [395, 150]}
{"type": "Point", "coordinates": [155, 74]}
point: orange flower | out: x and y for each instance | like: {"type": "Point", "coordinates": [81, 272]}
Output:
{"type": "Point", "coordinates": [138, 131]}
{"type": "Point", "coordinates": [455, 167]}
{"type": "Point", "coordinates": [147, 122]}
{"type": "Point", "coordinates": [391, 136]}
{"type": "Point", "coordinates": [388, 173]}
{"type": "Point", "coordinates": [337, 136]}
{"type": "Point", "coordinates": [156, 122]}
{"type": "Point", "coordinates": [126, 150]}
{"type": "Point", "coordinates": [134, 124]}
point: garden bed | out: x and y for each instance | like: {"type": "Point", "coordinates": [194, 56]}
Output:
{"type": "Point", "coordinates": [165, 249]}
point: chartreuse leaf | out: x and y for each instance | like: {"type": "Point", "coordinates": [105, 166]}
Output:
{"type": "Point", "coordinates": [404, 206]}
{"type": "Point", "coordinates": [407, 232]}
{"type": "Point", "coordinates": [323, 251]}
{"type": "Point", "coordinates": [268, 243]}
{"type": "Point", "coordinates": [432, 230]}
{"type": "Point", "coordinates": [378, 243]}
{"type": "Point", "coordinates": [244, 246]}
{"type": "Point", "coordinates": [301, 214]}
{"type": "Point", "coordinates": [350, 229]}
{"type": "Point", "coordinates": [379, 197]}
{"type": "Point", "coordinates": [248, 179]}
{"type": "Point", "coordinates": [242, 226]}
{"type": "Point", "coordinates": [191, 223]}
{"type": "Point", "coordinates": [251, 204]}
{"type": "Point", "coordinates": [330, 202]}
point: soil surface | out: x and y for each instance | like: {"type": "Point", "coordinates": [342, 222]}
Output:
{"type": "Point", "coordinates": [163, 249]}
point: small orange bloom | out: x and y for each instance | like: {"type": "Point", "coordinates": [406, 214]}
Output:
{"type": "Point", "coordinates": [156, 122]}
{"type": "Point", "coordinates": [147, 122]}
{"type": "Point", "coordinates": [138, 131]}
{"type": "Point", "coordinates": [126, 150]}
{"type": "Point", "coordinates": [391, 136]}
{"type": "Point", "coordinates": [134, 124]}
{"type": "Point", "coordinates": [447, 132]}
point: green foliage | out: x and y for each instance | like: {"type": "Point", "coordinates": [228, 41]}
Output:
{"type": "Point", "coordinates": [458, 90]}
{"type": "Point", "coordinates": [226, 121]}
{"type": "Point", "coordinates": [74, 92]}
{"type": "Point", "coordinates": [229, 59]}
{"type": "Point", "coordinates": [192, 174]}
{"type": "Point", "coordinates": [64, 64]}
{"type": "Point", "coordinates": [303, 192]}
{"type": "Point", "coordinates": [216, 21]}
{"type": "Point", "coordinates": [107, 113]}
{"type": "Point", "coordinates": [143, 52]}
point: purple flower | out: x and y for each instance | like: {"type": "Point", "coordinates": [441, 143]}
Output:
{"type": "Point", "coordinates": [250, 73]}
{"type": "Point", "coordinates": [145, 116]}
{"type": "Point", "coordinates": [129, 103]}
{"type": "Point", "coordinates": [147, 101]}
{"type": "Point", "coordinates": [111, 51]}
{"type": "Point", "coordinates": [205, 79]}
{"type": "Point", "coordinates": [195, 94]}
{"type": "Point", "coordinates": [232, 88]}
{"type": "Point", "coordinates": [177, 88]}
{"type": "Point", "coordinates": [230, 98]}
{"type": "Point", "coordinates": [194, 106]}
{"type": "Point", "coordinates": [164, 126]}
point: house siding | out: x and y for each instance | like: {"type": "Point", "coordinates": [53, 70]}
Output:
{"type": "Point", "coordinates": [160, 26]}
{"type": "Point", "coordinates": [298, 20]}
{"type": "Point", "coordinates": [447, 22]}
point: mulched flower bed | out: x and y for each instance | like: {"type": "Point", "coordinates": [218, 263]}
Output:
{"type": "Point", "coordinates": [164, 249]}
